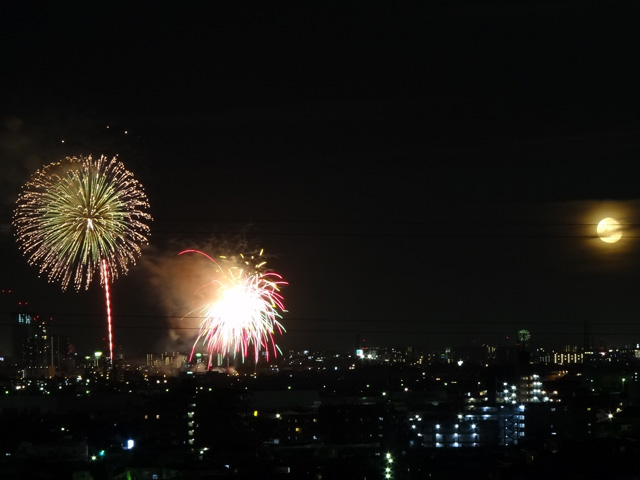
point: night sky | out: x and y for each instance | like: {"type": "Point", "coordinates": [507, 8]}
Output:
{"type": "Point", "coordinates": [423, 174]}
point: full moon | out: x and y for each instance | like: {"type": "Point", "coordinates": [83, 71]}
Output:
{"type": "Point", "coordinates": [609, 230]}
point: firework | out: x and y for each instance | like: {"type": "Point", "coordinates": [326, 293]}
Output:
{"type": "Point", "coordinates": [241, 311]}
{"type": "Point", "coordinates": [80, 217]}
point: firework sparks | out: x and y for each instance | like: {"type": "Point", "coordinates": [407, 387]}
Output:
{"type": "Point", "coordinates": [80, 217]}
{"type": "Point", "coordinates": [76, 213]}
{"type": "Point", "coordinates": [241, 310]}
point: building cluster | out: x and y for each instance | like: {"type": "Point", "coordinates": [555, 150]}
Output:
{"type": "Point", "coordinates": [370, 413]}
{"type": "Point", "coordinates": [310, 414]}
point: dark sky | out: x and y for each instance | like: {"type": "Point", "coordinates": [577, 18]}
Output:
{"type": "Point", "coordinates": [422, 173]}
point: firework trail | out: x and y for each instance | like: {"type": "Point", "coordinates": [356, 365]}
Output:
{"type": "Point", "coordinates": [241, 310]}
{"type": "Point", "coordinates": [80, 217]}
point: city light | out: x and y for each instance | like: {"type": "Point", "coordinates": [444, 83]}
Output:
{"type": "Point", "coordinates": [387, 469]}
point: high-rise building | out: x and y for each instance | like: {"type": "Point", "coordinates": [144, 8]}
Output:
{"type": "Point", "coordinates": [32, 343]}
{"type": "Point", "coordinates": [8, 304]}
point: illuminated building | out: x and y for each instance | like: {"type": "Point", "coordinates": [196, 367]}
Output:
{"type": "Point", "coordinates": [33, 348]}
{"type": "Point", "coordinates": [567, 358]}
{"type": "Point", "coordinates": [502, 425]}
{"type": "Point", "coordinates": [528, 389]}
{"type": "Point", "coordinates": [32, 342]}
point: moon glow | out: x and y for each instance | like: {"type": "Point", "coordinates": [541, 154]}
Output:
{"type": "Point", "coordinates": [609, 230]}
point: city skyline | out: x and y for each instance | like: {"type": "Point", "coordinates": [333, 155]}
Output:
{"type": "Point", "coordinates": [47, 339]}
{"type": "Point", "coordinates": [418, 175]}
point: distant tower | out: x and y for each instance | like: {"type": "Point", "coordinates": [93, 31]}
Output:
{"type": "Point", "coordinates": [8, 302]}
{"type": "Point", "coordinates": [21, 319]}
{"type": "Point", "coordinates": [523, 356]}
{"type": "Point", "coordinates": [523, 337]}
{"type": "Point", "coordinates": [586, 343]}
{"type": "Point", "coordinates": [361, 342]}
{"type": "Point", "coordinates": [31, 341]}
